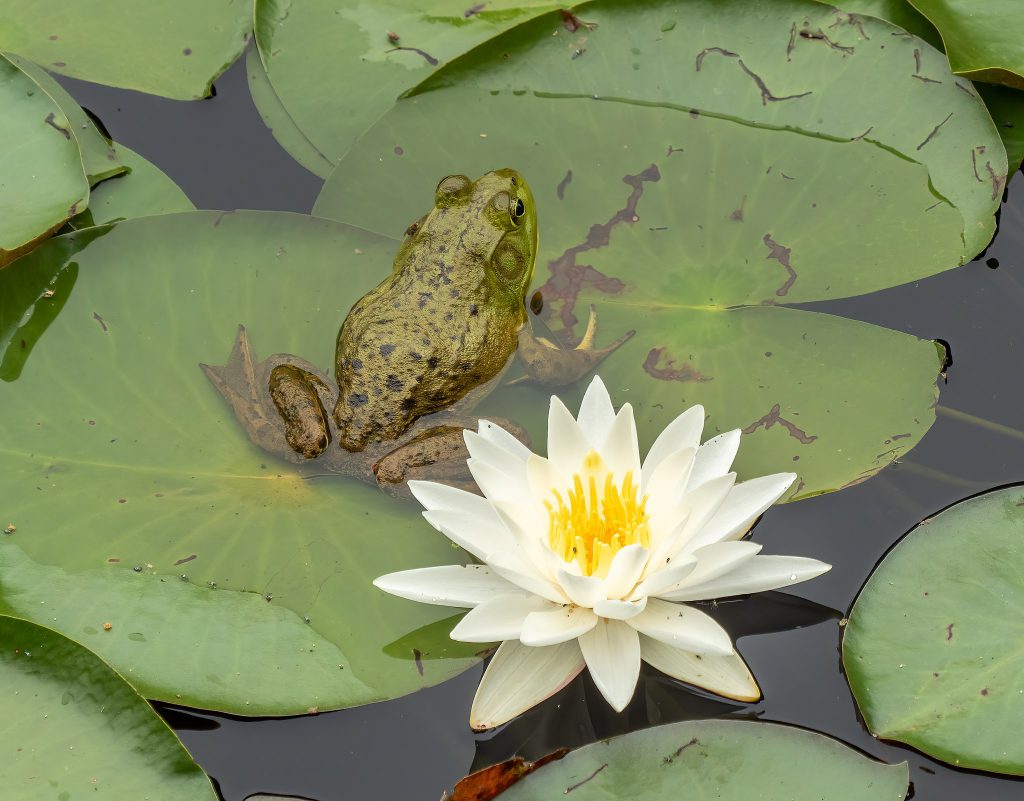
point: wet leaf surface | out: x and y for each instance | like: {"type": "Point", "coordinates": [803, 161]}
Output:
{"type": "Point", "coordinates": [727, 760]}
{"type": "Point", "coordinates": [933, 647]}
{"type": "Point", "coordinates": [120, 455]}
{"type": "Point", "coordinates": [44, 183]}
{"type": "Point", "coordinates": [338, 66]}
{"type": "Point", "coordinates": [985, 41]}
{"type": "Point", "coordinates": [171, 49]}
{"type": "Point", "coordinates": [73, 728]}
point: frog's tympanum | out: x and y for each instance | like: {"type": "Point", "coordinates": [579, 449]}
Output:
{"type": "Point", "coordinates": [416, 353]}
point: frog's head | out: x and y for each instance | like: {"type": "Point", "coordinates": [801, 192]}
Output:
{"type": "Point", "coordinates": [491, 221]}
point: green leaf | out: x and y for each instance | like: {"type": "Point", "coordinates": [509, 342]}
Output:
{"type": "Point", "coordinates": [174, 49]}
{"type": "Point", "coordinates": [833, 400]}
{"type": "Point", "coordinates": [43, 183]}
{"type": "Point", "coordinates": [336, 71]}
{"type": "Point", "coordinates": [728, 760]}
{"type": "Point", "coordinates": [143, 192]}
{"type": "Point", "coordinates": [789, 64]}
{"type": "Point", "coordinates": [98, 156]}
{"type": "Point", "coordinates": [277, 119]}
{"type": "Point", "coordinates": [898, 12]}
{"type": "Point", "coordinates": [118, 453]}
{"type": "Point", "coordinates": [985, 41]}
{"type": "Point", "coordinates": [933, 649]}
{"type": "Point", "coordinates": [73, 728]}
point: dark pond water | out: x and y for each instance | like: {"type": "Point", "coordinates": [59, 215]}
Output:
{"type": "Point", "coordinates": [414, 748]}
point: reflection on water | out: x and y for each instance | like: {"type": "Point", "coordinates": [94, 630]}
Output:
{"type": "Point", "coordinates": [414, 747]}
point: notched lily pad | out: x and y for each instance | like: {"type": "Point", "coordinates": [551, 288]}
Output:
{"type": "Point", "coordinates": [933, 649]}
{"type": "Point", "coordinates": [73, 728]}
{"type": "Point", "coordinates": [729, 760]}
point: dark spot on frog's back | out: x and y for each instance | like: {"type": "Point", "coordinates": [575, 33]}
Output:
{"type": "Point", "coordinates": [386, 350]}
{"type": "Point", "coordinates": [355, 400]}
{"type": "Point", "coordinates": [473, 311]}
{"type": "Point", "coordinates": [394, 383]}
{"type": "Point", "coordinates": [432, 362]}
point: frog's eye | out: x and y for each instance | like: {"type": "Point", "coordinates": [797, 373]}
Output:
{"type": "Point", "coordinates": [451, 187]}
{"type": "Point", "coordinates": [517, 211]}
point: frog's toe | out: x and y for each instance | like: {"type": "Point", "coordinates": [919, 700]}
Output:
{"type": "Point", "coordinates": [550, 365]}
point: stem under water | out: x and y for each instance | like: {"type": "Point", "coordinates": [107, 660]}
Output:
{"type": "Point", "coordinates": [980, 422]}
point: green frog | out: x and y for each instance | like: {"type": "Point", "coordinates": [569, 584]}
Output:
{"type": "Point", "coordinates": [418, 352]}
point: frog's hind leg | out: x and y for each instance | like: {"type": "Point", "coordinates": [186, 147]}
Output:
{"type": "Point", "coordinates": [552, 366]}
{"type": "Point", "coordinates": [254, 397]}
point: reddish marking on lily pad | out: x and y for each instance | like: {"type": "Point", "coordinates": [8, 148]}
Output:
{"type": "Point", "coordinates": [492, 781]}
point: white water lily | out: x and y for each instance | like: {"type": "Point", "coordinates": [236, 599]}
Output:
{"type": "Point", "coordinates": [589, 556]}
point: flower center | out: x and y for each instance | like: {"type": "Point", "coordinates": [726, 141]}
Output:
{"type": "Point", "coordinates": [596, 518]}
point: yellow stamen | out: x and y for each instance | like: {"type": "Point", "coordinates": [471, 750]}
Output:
{"type": "Point", "coordinates": [594, 520]}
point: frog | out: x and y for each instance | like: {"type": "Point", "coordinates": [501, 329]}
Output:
{"type": "Point", "coordinates": [418, 352]}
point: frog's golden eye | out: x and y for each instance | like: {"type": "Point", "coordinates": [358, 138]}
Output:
{"type": "Point", "coordinates": [517, 211]}
{"type": "Point", "coordinates": [451, 187]}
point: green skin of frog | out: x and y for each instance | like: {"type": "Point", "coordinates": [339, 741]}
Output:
{"type": "Point", "coordinates": [418, 352]}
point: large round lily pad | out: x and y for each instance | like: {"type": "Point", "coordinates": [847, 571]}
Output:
{"type": "Point", "coordinates": [933, 648]}
{"type": "Point", "coordinates": [728, 760]}
{"type": "Point", "coordinates": [43, 182]}
{"type": "Point", "coordinates": [73, 728]}
{"type": "Point", "coordinates": [175, 49]}
{"type": "Point", "coordinates": [120, 455]}
{"type": "Point", "coordinates": [985, 41]}
{"type": "Point", "coordinates": [338, 65]}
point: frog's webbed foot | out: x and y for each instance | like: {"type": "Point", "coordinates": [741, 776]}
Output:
{"type": "Point", "coordinates": [437, 454]}
{"type": "Point", "coordinates": [277, 401]}
{"type": "Point", "coordinates": [552, 366]}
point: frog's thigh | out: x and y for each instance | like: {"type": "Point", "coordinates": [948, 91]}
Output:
{"type": "Point", "coordinates": [436, 454]}
{"type": "Point", "coordinates": [294, 392]}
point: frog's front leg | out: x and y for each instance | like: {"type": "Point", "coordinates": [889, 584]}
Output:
{"type": "Point", "coordinates": [281, 402]}
{"type": "Point", "coordinates": [437, 453]}
{"type": "Point", "coordinates": [552, 366]}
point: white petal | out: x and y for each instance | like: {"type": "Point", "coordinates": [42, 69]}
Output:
{"type": "Point", "coordinates": [515, 568]}
{"type": "Point", "coordinates": [499, 618]}
{"type": "Point", "coordinates": [582, 590]}
{"type": "Point", "coordinates": [553, 626]}
{"type": "Point", "coordinates": [666, 485]}
{"type": "Point", "coordinates": [625, 570]}
{"type": "Point", "coordinates": [714, 457]}
{"type": "Point", "coordinates": [727, 676]}
{"type": "Point", "coordinates": [483, 450]}
{"type": "Point", "coordinates": [741, 508]}
{"type": "Point", "coordinates": [621, 451]}
{"type": "Point", "coordinates": [447, 585]}
{"type": "Point", "coordinates": [520, 677]}
{"type": "Point", "coordinates": [440, 496]}
{"type": "Point", "coordinates": [596, 413]}
{"type": "Point", "coordinates": [680, 434]}
{"type": "Point", "coordinates": [567, 444]}
{"type": "Point", "coordinates": [759, 574]}
{"type": "Point", "coordinates": [682, 627]}
{"type": "Point", "coordinates": [543, 478]}
{"type": "Point", "coordinates": [497, 485]}
{"type": "Point", "coordinates": [713, 561]}
{"type": "Point", "coordinates": [696, 509]}
{"type": "Point", "coordinates": [620, 610]}
{"type": "Point", "coordinates": [658, 580]}
{"type": "Point", "coordinates": [499, 436]}
{"type": "Point", "coordinates": [477, 534]}
{"type": "Point", "coordinates": [612, 652]}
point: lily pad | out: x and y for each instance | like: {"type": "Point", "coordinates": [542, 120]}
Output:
{"type": "Point", "coordinates": [119, 454]}
{"type": "Point", "coordinates": [933, 648]}
{"type": "Point", "coordinates": [171, 49]}
{"type": "Point", "coordinates": [44, 183]}
{"type": "Point", "coordinates": [787, 64]}
{"type": "Point", "coordinates": [338, 65]}
{"type": "Point", "coordinates": [144, 191]}
{"type": "Point", "coordinates": [73, 728]}
{"type": "Point", "coordinates": [985, 41]}
{"type": "Point", "coordinates": [730, 760]}
{"type": "Point", "coordinates": [277, 119]}
{"type": "Point", "coordinates": [98, 156]}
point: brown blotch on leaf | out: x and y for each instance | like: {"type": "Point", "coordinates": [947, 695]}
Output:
{"type": "Point", "coordinates": [782, 256]}
{"type": "Point", "coordinates": [774, 417]}
{"type": "Point", "coordinates": [668, 371]}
